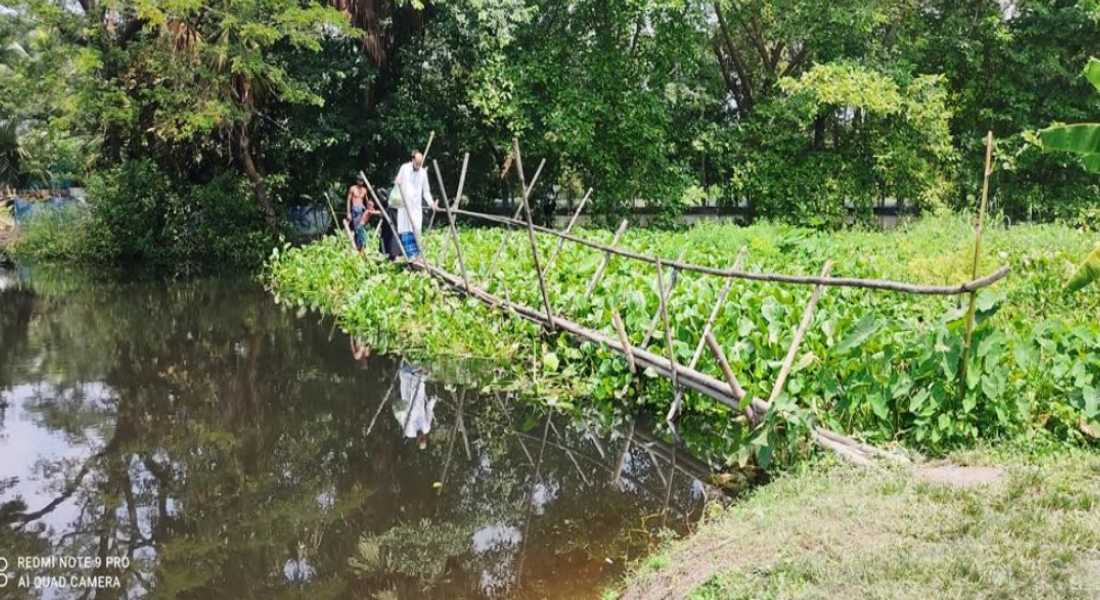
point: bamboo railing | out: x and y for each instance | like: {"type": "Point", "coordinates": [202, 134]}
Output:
{"type": "Point", "coordinates": [727, 390]}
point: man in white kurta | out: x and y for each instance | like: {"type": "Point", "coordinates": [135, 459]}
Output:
{"type": "Point", "coordinates": [416, 193]}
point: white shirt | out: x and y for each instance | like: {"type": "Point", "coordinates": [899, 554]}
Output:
{"type": "Point", "coordinates": [417, 194]}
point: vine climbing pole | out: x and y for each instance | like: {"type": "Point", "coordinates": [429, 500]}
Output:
{"type": "Point", "coordinates": [725, 388]}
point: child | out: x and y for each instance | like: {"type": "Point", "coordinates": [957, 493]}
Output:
{"type": "Point", "coordinates": [359, 209]}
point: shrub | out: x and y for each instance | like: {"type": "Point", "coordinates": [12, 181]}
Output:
{"type": "Point", "coordinates": [139, 213]}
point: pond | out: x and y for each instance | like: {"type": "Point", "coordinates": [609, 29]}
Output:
{"type": "Point", "coordinates": [193, 439]}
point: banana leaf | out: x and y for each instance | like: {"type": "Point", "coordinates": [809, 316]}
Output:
{"type": "Point", "coordinates": [1092, 72]}
{"type": "Point", "coordinates": [1087, 272]}
{"type": "Point", "coordinates": [1080, 138]}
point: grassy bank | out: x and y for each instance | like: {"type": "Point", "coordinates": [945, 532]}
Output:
{"type": "Point", "coordinates": [881, 365]}
{"type": "Point", "coordinates": [831, 531]}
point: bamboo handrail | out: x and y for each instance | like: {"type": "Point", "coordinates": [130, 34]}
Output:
{"type": "Point", "coordinates": [879, 284]}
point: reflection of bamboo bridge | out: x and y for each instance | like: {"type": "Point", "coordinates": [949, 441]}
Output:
{"type": "Point", "coordinates": [727, 389]}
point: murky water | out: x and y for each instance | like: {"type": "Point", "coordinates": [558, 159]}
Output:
{"type": "Point", "coordinates": [194, 440]}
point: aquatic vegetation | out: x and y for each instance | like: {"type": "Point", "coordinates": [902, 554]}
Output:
{"type": "Point", "coordinates": [877, 364]}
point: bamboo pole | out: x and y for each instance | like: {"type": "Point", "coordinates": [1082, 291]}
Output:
{"type": "Point", "coordinates": [531, 233]}
{"type": "Point", "coordinates": [450, 215]}
{"type": "Point", "coordinates": [625, 341]}
{"type": "Point", "coordinates": [656, 320]}
{"type": "Point", "coordinates": [385, 215]}
{"type": "Point", "coordinates": [568, 228]}
{"type": "Point", "coordinates": [515, 217]}
{"type": "Point", "coordinates": [690, 378]}
{"type": "Point", "coordinates": [700, 382]}
{"type": "Point", "coordinates": [598, 275]}
{"type": "Point", "coordinates": [799, 333]}
{"type": "Point", "coordinates": [964, 356]}
{"type": "Point", "coordinates": [347, 232]}
{"type": "Point", "coordinates": [716, 310]}
{"type": "Point", "coordinates": [677, 392]}
{"type": "Point", "coordinates": [877, 284]}
{"type": "Point", "coordinates": [735, 386]}
{"type": "Point", "coordinates": [428, 146]}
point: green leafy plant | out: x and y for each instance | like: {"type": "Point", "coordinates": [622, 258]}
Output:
{"type": "Point", "coordinates": [1082, 139]}
{"type": "Point", "coordinates": [1087, 272]}
{"type": "Point", "coordinates": [881, 365]}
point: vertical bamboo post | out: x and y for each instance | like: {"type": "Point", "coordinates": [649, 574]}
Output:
{"type": "Point", "coordinates": [568, 228]}
{"type": "Point", "coordinates": [664, 297]}
{"type": "Point", "coordinates": [531, 238]}
{"type": "Point", "coordinates": [796, 341]}
{"type": "Point", "coordinates": [624, 340]}
{"type": "Point", "coordinates": [657, 316]}
{"type": "Point", "coordinates": [519, 209]}
{"type": "Point", "coordinates": [716, 310]}
{"type": "Point", "coordinates": [964, 356]}
{"type": "Point", "coordinates": [606, 260]}
{"type": "Point", "coordinates": [451, 217]}
{"type": "Point", "coordinates": [385, 214]}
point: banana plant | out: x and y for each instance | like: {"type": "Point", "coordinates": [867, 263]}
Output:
{"type": "Point", "coordinates": [1082, 139]}
{"type": "Point", "coordinates": [1087, 272]}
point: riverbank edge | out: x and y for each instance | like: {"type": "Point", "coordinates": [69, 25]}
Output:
{"type": "Point", "coordinates": [1008, 521]}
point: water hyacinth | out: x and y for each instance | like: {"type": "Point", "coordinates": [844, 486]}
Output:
{"type": "Point", "coordinates": [877, 364]}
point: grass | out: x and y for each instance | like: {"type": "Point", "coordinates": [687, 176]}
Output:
{"type": "Point", "coordinates": [834, 531]}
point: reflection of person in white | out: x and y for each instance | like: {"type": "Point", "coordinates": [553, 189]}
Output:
{"type": "Point", "coordinates": [416, 194]}
{"type": "Point", "coordinates": [414, 411]}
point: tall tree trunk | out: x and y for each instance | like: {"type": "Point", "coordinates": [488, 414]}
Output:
{"type": "Point", "coordinates": [259, 187]}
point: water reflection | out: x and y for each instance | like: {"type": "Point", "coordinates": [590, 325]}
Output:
{"type": "Point", "coordinates": [227, 449]}
{"type": "Point", "coordinates": [415, 409]}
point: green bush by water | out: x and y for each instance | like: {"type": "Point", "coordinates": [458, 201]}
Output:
{"type": "Point", "coordinates": [879, 364]}
{"type": "Point", "coordinates": [137, 213]}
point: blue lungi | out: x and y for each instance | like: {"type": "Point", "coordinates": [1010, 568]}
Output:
{"type": "Point", "coordinates": [408, 242]}
{"type": "Point", "coordinates": [360, 228]}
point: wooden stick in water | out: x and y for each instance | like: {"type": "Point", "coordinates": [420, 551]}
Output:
{"type": "Point", "coordinates": [450, 215]}
{"type": "Point", "coordinates": [677, 392]}
{"type": "Point", "coordinates": [657, 315]}
{"type": "Point", "coordinates": [531, 235]}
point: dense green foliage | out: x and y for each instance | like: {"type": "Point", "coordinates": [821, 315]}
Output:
{"type": "Point", "coordinates": [141, 215]}
{"type": "Point", "coordinates": [879, 364]}
{"type": "Point", "coordinates": [806, 112]}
